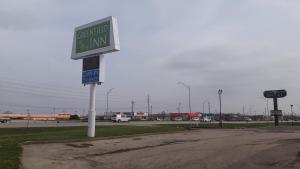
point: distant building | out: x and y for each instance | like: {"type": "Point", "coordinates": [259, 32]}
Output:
{"type": "Point", "coordinates": [140, 116]}
{"type": "Point", "coordinates": [59, 116]}
{"type": "Point", "coordinates": [183, 116]}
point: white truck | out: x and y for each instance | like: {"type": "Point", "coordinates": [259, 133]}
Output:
{"type": "Point", "coordinates": [206, 119]}
{"type": "Point", "coordinates": [120, 118]}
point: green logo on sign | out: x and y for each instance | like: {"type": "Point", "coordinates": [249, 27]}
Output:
{"type": "Point", "coordinates": [94, 37]}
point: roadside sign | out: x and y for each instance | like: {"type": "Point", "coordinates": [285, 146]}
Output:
{"type": "Point", "coordinates": [90, 42]}
{"type": "Point", "coordinates": [276, 113]}
{"type": "Point", "coordinates": [92, 70]}
{"type": "Point", "coordinates": [275, 93]}
{"type": "Point", "coordinates": [97, 37]}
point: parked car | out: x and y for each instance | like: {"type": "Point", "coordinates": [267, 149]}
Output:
{"type": "Point", "coordinates": [248, 119]}
{"type": "Point", "coordinates": [195, 118]}
{"type": "Point", "coordinates": [206, 119]}
{"type": "Point", "coordinates": [177, 119]}
{"type": "Point", "coordinates": [120, 118]}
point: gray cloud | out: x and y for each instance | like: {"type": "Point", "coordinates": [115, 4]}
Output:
{"type": "Point", "coordinates": [243, 47]}
{"type": "Point", "coordinates": [21, 20]}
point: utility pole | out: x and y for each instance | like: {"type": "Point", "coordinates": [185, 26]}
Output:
{"type": "Point", "coordinates": [208, 107]}
{"type": "Point", "coordinates": [107, 94]}
{"type": "Point", "coordinates": [220, 91]}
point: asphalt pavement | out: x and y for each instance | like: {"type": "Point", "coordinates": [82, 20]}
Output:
{"type": "Point", "coordinates": [34, 123]}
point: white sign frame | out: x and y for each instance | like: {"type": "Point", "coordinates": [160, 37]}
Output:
{"type": "Point", "coordinates": [114, 39]}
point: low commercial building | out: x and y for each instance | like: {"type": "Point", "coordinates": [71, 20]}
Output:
{"type": "Point", "coordinates": [59, 116]}
{"type": "Point", "coordinates": [184, 116]}
{"type": "Point", "coordinates": [140, 116]}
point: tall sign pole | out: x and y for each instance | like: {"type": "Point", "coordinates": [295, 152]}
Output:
{"type": "Point", "coordinates": [275, 94]}
{"type": "Point", "coordinates": [90, 42]}
{"type": "Point", "coordinates": [276, 113]}
{"type": "Point", "coordinates": [92, 111]}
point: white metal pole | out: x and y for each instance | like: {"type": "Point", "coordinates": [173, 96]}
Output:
{"type": "Point", "coordinates": [92, 111]}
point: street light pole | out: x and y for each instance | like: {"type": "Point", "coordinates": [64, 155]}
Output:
{"type": "Point", "coordinates": [203, 106]}
{"type": "Point", "coordinates": [208, 107]}
{"type": "Point", "coordinates": [189, 90]}
{"type": "Point", "coordinates": [178, 108]}
{"type": "Point", "coordinates": [107, 94]}
{"type": "Point", "coordinates": [132, 111]}
{"type": "Point", "coordinates": [220, 91]}
{"type": "Point", "coordinates": [292, 115]}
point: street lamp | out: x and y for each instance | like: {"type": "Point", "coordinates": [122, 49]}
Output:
{"type": "Point", "coordinates": [292, 115]}
{"type": "Point", "coordinates": [178, 108]}
{"type": "Point", "coordinates": [220, 91]}
{"type": "Point", "coordinates": [107, 94]}
{"type": "Point", "coordinates": [189, 90]}
{"type": "Point", "coordinates": [203, 106]}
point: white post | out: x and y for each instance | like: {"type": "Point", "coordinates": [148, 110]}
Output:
{"type": "Point", "coordinates": [92, 111]}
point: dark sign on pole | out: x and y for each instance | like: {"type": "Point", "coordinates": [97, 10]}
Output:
{"type": "Point", "coordinates": [90, 70]}
{"type": "Point", "coordinates": [90, 63]}
{"type": "Point", "coordinates": [275, 93]}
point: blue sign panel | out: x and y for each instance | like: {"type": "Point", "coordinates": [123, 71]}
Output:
{"type": "Point", "coordinates": [90, 76]}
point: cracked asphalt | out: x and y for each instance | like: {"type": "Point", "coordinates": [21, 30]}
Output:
{"type": "Point", "coordinates": [199, 149]}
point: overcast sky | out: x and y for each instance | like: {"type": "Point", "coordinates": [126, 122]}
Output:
{"type": "Point", "coordinates": [243, 47]}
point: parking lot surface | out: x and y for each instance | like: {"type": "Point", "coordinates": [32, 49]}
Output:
{"type": "Point", "coordinates": [198, 149]}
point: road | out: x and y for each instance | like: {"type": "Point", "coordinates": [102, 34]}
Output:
{"type": "Point", "coordinates": [33, 123]}
{"type": "Point", "coordinates": [272, 148]}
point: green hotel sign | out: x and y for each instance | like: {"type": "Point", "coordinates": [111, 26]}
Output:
{"type": "Point", "coordinates": [94, 37]}
{"type": "Point", "coordinates": [98, 37]}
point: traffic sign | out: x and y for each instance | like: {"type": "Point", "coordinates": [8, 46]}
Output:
{"type": "Point", "coordinates": [276, 113]}
{"type": "Point", "coordinates": [275, 93]}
